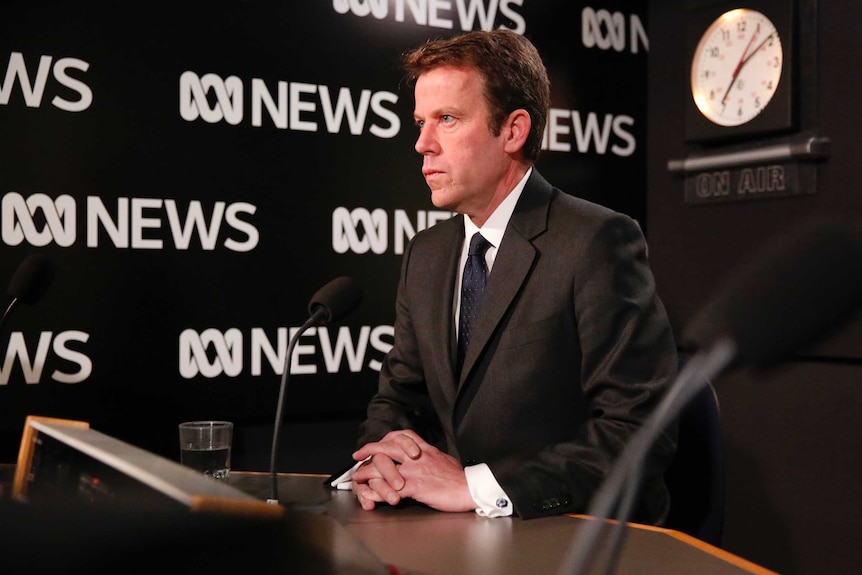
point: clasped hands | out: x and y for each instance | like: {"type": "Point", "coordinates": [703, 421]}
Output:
{"type": "Point", "coordinates": [402, 465]}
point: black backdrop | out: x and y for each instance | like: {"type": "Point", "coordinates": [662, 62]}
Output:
{"type": "Point", "coordinates": [197, 172]}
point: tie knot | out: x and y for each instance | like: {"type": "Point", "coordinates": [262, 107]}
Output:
{"type": "Point", "coordinates": [478, 245]}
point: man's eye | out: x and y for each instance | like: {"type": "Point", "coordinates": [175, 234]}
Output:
{"type": "Point", "coordinates": [447, 119]}
{"type": "Point", "coordinates": [420, 124]}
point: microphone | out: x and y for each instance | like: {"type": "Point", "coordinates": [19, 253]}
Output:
{"type": "Point", "coordinates": [334, 300]}
{"type": "Point", "coordinates": [29, 282]}
{"type": "Point", "coordinates": [330, 303]}
{"type": "Point", "coordinates": [797, 288]}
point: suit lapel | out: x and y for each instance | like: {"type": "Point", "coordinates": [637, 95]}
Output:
{"type": "Point", "coordinates": [512, 265]}
{"type": "Point", "coordinates": [440, 310]}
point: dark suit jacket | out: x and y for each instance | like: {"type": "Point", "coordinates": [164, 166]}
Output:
{"type": "Point", "coordinates": [571, 351]}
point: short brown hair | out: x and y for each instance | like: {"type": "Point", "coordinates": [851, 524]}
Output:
{"type": "Point", "coordinates": [515, 76]}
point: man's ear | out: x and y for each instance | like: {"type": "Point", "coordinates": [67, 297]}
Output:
{"type": "Point", "coordinates": [516, 128]}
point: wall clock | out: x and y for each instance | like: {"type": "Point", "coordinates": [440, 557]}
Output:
{"type": "Point", "coordinates": [741, 71]}
{"type": "Point", "coordinates": [736, 67]}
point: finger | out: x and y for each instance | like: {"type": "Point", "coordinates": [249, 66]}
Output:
{"type": "Point", "coordinates": [403, 434]}
{"type": "Point", "coordinates": [369, 468]}
{"type": "Point", "coordinates": [384, 490]}
{"type": "Point", "coordinates": [380, 467]}
{"type": "Point", "coordinates": [387, 446]}
{"type": "Point", "coordinates": [396, 444]}
{"type": "Point", "coordinates": [365, 496]}
{"type": "Point", "coordinates": [365, 452]}
{"type": "Point", "coordinates": [388, 471]}
{"type": "Point", "coordinates": [375, 490]}
{"type": "Point", "coordinates": [409, 444]}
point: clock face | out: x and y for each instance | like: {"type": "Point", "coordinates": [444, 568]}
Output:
{"type": "Point", "coordinates": [736, 67]}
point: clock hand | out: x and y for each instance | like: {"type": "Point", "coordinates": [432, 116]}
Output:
{"type": "Point", "coordinates": [756, 50]}
{"type": "Point", "coordinates": [742, 60]}
{"type": "Point", "coordinates": [745, 60]}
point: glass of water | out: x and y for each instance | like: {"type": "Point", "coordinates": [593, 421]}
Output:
{"type": "Point", "coordinates": [205, 446]}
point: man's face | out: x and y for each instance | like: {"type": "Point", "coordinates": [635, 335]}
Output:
{"type": "Point", "coordinates": [464, 164]}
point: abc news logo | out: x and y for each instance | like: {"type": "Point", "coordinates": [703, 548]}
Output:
{"type": "Point", "coordinates": [295, 106]}
{"type": "Point", "coordinates": [212, 353]}
{"type": "Point", "coordinates": [39, 220]}
{"type": "Point", "coordinates": [469, 13]}
{"type": "Point", "coordinates": [605, 30]}
{"type": "Point", "coordinates": [361, 231]}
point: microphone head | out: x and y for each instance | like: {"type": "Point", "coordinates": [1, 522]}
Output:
{"type": "Point", "coordinates": [335, 300]}
{"type": "Point", "coordinates": [32, 278]}
{"type": "Point", "coordinates": [796, 288]}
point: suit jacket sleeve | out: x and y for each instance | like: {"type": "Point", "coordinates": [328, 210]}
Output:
{"type": "Point", "coordinates": [403, 400]}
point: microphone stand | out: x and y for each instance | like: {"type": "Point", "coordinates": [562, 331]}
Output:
{"type": "Point", "coordinates": [6, 313]}
{"type": "Point", "coordinates": [624, 479]}
{"type": "Point", "coordinates": [319, 315]}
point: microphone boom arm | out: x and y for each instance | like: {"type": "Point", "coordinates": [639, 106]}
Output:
{"type": "Point", "coordinates": [6, 313]}
{"type": "Point", "coordinates": [318, 317]}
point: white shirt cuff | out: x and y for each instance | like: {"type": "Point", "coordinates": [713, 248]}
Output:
{"type": "Point", "coordinates": [491, 500]}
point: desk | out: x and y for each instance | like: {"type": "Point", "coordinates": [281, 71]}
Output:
{"type": "Point", "coordinates": [421, 541]}
{"type": "Point", "coordinates": [327, 533]}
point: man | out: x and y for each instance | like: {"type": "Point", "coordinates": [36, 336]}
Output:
{"type": "Point", "coordinates": [570, 349]}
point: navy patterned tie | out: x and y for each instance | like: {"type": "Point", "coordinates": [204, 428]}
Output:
{"type": "Point", "coordinates": [472, 290]}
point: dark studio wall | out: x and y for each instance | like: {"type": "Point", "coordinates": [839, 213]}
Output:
{"type": "Point", "coordinates": [792, 433]}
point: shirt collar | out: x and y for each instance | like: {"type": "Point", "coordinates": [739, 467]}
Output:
{"type": "Point", "coordinates": [495, 225]}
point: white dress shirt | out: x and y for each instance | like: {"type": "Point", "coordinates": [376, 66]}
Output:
{"type": "Point", "coordinates": [491, 500]}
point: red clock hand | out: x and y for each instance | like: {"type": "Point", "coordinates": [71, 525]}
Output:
{"type": "Point", "coordinates": [742, 60]}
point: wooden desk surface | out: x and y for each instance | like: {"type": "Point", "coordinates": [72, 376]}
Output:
{"type": "Point", "coordinates": [418, 540]}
